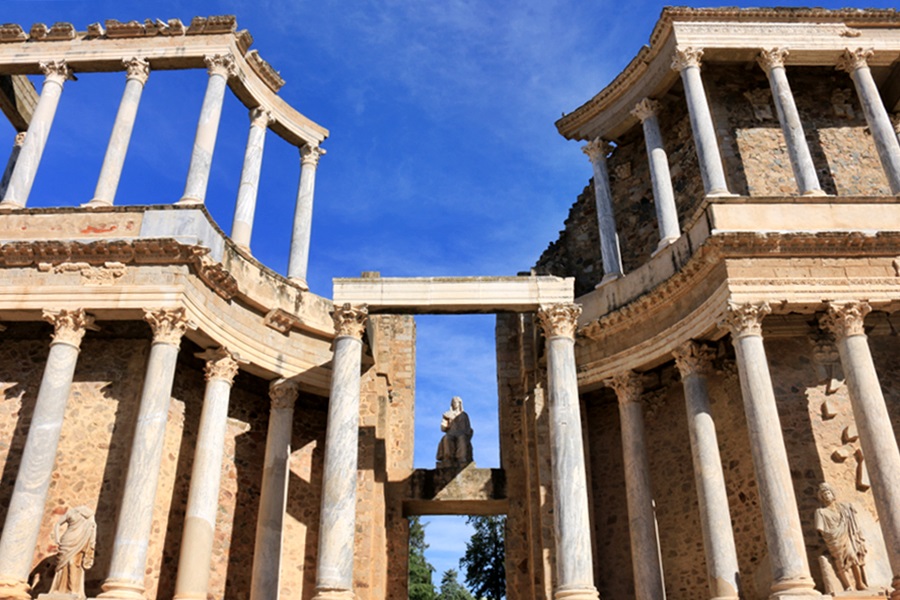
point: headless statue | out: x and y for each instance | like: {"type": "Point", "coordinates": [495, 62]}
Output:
{"type": "Point", "coordinates": [75, 552]}
{"type": "Point", "coordinates": [837, 524]}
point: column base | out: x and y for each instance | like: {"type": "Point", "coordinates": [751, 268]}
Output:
{"type": "Point", "coordinates": [663, 244]}
{"type": "Point", "coordinates": [300, 283]}
{"type": "Point", "coordinates": [14, 589]}
{"type": "Point", "coordinates": [794, 588]}
{"type": "Point", "coordinates": [608, 278]}
{"type": "Point", "coordinates": [97, 203]}
{"type": "Point", "coordinates": [10, 205]}
{"type": "Point", "coordinates": [190, 596]}
{"type": "Point", "coordinates": [334, 595]}
{"type": "Point", "coordinates": [582, 593]}
{"type": "Point", "coordinates": [720, 194]}
{"type": "Point", "coordinates": [189, 200]}
{"type": "Point", "coordinates": [121, 589]}
{"type": "Point", "coordinates": [814, 193]}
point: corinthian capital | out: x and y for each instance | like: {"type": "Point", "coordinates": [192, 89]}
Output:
{"type": "Point", "coordinates": [57, 71]}
{"type": "Point", "coordinates": [774, 57]}
{"type": "Point", "coordinates": [310, 155]}
{"type": "Point", "coordinates": [746, 319]}
{"type": "Point", "coordinates": [350, 320]}
{"type": "Point", "coordinates": [852, 60]}
{"type": "Point", "coordinates": [844, 319]}
{"type": "Point", "coordinates": [137, 68]}
{"type": "Point", "coordinates": [693, 358]}
{"type": "Point", "coordinates": [69, 326]}
{"type": "Point", "coordinates": [686, 57]}
{"type": "Point", "coordinates": [20, 138]}
{"type": "Point", "coordinates": [168, 325]}
{"type": "Point", "coordinates": [260, 117]}
{"type": "Point", "coordinates": [645, 109]}
{"type": "Point", "coordinates": [627, 385]}
{"type": "Point", "coordinates": [597, 149]}
{"type": "Point", "coordinates": [220, 64]}
{"type": "Point", "coordinates": [220, 364]}
{"type": "Point", "coordinates": [283, 393]}
{"type": "Point", "coordinates": [559, 320]}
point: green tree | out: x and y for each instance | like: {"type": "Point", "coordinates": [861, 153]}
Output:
{"type": "Point", "coordinates": [484, 561]}
{"type": "Point", "coordinates": [420, 585]}
{"type": "Point", "coordinates": [451, 588]}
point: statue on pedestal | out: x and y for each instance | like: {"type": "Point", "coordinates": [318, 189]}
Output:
{"type": "Point", "coordinates": [837, 524]}
{"type": "Point", "coordinates": [75, 552]}
{"type": "Point", "coordinates": [455, 449]}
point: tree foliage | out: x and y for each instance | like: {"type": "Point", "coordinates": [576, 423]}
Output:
{"type": "Point", "coordinates": [420, 585]}
{"type": "Point", "coordinates": [484, 561]}
{"type": "Point", "coordinates": [451, 589]}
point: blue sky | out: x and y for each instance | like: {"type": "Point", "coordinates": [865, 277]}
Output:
{"type": "Point", "coordinates": [443, 158]}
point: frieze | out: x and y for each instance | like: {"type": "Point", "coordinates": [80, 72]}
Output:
{"type": "Point", "coordinates": [802, 31]}
{"type": "Point", "coordinates": [107, 274]}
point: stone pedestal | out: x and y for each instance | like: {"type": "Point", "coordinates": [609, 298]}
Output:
{"type": "Point", "coordinates": [245, 207]}
{"type": "Point", "coordinates": [606, 220]}
{"type": "Point", "coordinates": [663, 195]}
{"type": "Point", "coordinates": [299, 257]}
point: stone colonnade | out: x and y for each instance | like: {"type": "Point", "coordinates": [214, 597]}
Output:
{"type": "Point", "coordinates": [687, 61]}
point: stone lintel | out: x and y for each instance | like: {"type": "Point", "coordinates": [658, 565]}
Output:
{"type": "Point", "coordinates": [432, 295]}
{"type": "Point", "coordinates": [465, 491]}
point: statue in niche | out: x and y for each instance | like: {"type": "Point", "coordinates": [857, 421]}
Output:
{"type": "Point", "coordinates": [837, 524]}
{"type": "Point", "coordinates": [455, 448]}
{"type": "Point", "coordinates": [75, 551]}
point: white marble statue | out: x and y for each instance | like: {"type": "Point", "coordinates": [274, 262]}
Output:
{"type": "Point", "coordinates": [75, 552]}
{"type": "Point", "coordinates": [455, 448]}
{"type": "Point", "coordinates": [837, 524]}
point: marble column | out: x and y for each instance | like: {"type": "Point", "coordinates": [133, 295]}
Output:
{"type": "Point", "coordinates": [645, 557]}
{"type": "Point", "coordinates": [855, 62]}
{"type": "Point", "coordinates": [55, 75]}
{"type": "Point", "coordinates": [244, 209]}
{"type": "Point", "coordinates": [694, 362]}
{"type": "Point", "coordinates": [772, 62]}
{"type": "Point", "coordinates": [11, 162]}
{"type": "Point", "coordinates": [135, 521]}
{"type": "Point", "coordinates": [137, 71]}
{"type": "Point", "coordinates": [781, 521]}
{"type": "Point", "coordinates": [687, 62]}
{"type": "Point", "coordinates": [203, 498]}
{"type": "Point", "coordinates": [337, 523]}
{"type": "Point", "coordinates": [266, 570]}
{"type": "Point", "coordinates": [663, 195]}
{"type": "Point", "coordinates": [26, 506]}
{"type": "Point", "coordinates": [299, 257]}
{"type": "Point", "coordinates": [220, 68]}
{"type": "Point", "coordinates": [606, 220]}
{"type": "Point", "coordinates": [572, 528]}
{"type": "Point", "coordinates": [876, 436]}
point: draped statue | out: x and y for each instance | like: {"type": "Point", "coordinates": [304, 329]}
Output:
{"type": "Point", "coordinates": [837, 524]}
{"type": "Point", "coordinates": [455, 448]}
{"type": "Point", "coordinates": [75, 551]}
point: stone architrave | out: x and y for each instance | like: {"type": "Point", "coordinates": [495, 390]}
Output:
{"type": "Point", "coordinates": [781, 520]}
{"type": "Point", "coordinates": [129, 554]}
{"type": "Point", "coordinates": [137, 70]}
{"type": "Point", "coordinates": [574, 556]}
{"type": "Point", "coordinates": [876, 436]}
{"type": "Point", "coordinates": [203, 498]}
{"type": "Point", "coordinates": [610, 254]}
{"type": "Point", "coordinates": [26, 506]}
{"type": "Point", "coordinates": [687, 62]}
{"type": "Point", "coordinates": [855, 62]}
{"type": "Point", "coordinates": [772, 62]}
{"type": "Point", "coordinates": [298, 261]}
{"type": "Point", "coordinates": [266, 570]}
{"type": "Point", "coordinates": [245, 207]}
{"type": "Point", "coordinates": [645, 557]}
{"type": "Point", "coordinates": [220, 68]}
{"type": "Point", "coordinates": [647, 111]}
{"type": "Point", "coordinates": [55, 75]}
{"type": "Point", "coordinates": [694, 363]}
{"type": "Point", "coordinates": [11, 163]}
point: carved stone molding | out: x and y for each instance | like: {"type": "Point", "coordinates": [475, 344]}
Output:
{"type": "Point", "coordinates": [628, 386]}
{"type": "Point", "coordinates": [686, 57]}
{"type": "Point", "coordinates": [559, 320]}
{"type": "Point", "coordinates": [57, 32]}
{"type": "Point", "coordinates": [137, 68]}
{"type": "Point", "coordinates": [220, 64]}
{"type": "Point", "coordinates": [220, 364]}
{"type": "Point", "coordinates": [281, 320]}
{"type": "Point", "coordinates": [645, 109]}
{"type": "Point", "coordinates": [260, 117]}
{"type": "Point", "coordinates": [844, 319]}
{"type": "Point", "coordinates": [771, 58]}
{"type": "Point", "coordinates": [694, 358]}
{"type": "Point", "coordinates": [266, 72]}
{"type": "Point", "coordinates": [597, 149]}
{"type": "Point", "coordinates": [57, 71]}
{"type": "Point", "coordinates": [746, 319]}
{"type": "Point", "coordinates": [20, 138]}
{"type": "Point", "coordinates": [310, 155]}
{"type": "Point", "coordinates": [852, 60]}
{"type": "Point", "coordinates": [11, 32]}
{"type": "Point", "coordinates": [212, 25]}
{"type": "Point", "coordinates": [168, 325]}
{"type": "Point", "coordinates": [283, 393]}
{"type": "Point", "coordinates": [69, 326]}
{"type": "Point", "coordinates": [106, 274]}
{"type": "Point", "coordinates": [350, 320]}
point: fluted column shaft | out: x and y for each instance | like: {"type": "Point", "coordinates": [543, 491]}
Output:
{"type": "Point", "coordinates": [135, 522]}
{"type": "Point", "coordinates": [772, 62]}
{"type": "Point", "coordinates": [694, 362]}
{"type": "Point", "coordinates": [645, 557]}
{"type": "Point", "coordinates": [300, 235]}
{"type": "Point", "coordinates": [663, 194]}
{"type": "Point", "coordinates": [244, 209]}
{"type": "Point", "coordinates": [11, 163]}
{"type": "Point", "coordinates": [219, 68]}
{"type": "Point", "coordinates": [26, 506]}
{"type": "Point", "coordinates": [196, 550]}
{"type": "Point", "coordinates": [266, 570]}
{"type": "Point", "coordinates": [137, 72]}
{"type": "Point", "coordinates": [337, 522]}
{"type": "Point", "coordinates": [19, 188]}
{"type": "Point", "coordinates": [876, 436]}
{"type": "Point", "coordinates": [606, 220]}
{"type": "Point", "coordinates": [687, 62]}
{"type": "Point", "coordinates": [781, 521]}
{"type": "Point", "coordinates": [572, 527]}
